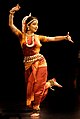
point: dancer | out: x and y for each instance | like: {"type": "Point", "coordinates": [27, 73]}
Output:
{"type": "Point", "coordinates": [35, 64]}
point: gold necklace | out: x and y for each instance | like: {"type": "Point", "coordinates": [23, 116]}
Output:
{"type": "Point", "coordinates": [31, 45]}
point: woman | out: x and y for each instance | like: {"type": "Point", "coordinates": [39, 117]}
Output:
{"type": "Point", "coordinates": [34, 62]}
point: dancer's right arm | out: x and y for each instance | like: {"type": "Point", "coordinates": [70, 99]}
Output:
{"type": "Point", "coordinates": [11, 24]}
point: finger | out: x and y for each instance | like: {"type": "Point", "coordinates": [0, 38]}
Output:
{"type": "Point", "coordinates": [18, 7]}
{"type": "Point", "coordinates": [68, 33]}
{"type": "Point", "coordinates": [17, 4]}
{"type": "Point", "coordinates": [72, 41]}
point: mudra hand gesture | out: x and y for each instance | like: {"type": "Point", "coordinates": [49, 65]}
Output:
{"type": "Point", "coordinates": [68, 37]}
{"type": "Point", "coordinates": [16, 8]}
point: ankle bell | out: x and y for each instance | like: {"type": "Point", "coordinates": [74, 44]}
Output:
{"type": "Point", "coordinates": [51, 82]}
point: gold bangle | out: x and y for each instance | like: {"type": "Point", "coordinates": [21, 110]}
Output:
{"type": "Point", "coordinates": [12, 12]}
{"type": "Point", "coordinates": [65, 37]}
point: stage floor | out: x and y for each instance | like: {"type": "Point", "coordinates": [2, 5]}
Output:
{"type": "Point", "coordinates": [52, 109]}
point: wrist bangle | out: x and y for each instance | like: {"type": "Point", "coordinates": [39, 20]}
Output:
{"type": "Point", "coordinates": [65, 37]}
{"type": "Point", "coordinates": [12, 12]}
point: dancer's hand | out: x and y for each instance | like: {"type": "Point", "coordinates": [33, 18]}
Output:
{"type": "Point", "coordinates": [68, 37]}
{"type": "Point", "coordinates": [16, 8]}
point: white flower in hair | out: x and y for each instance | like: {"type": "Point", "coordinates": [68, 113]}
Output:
{"type": "Point", "coordinates": [24, 21]}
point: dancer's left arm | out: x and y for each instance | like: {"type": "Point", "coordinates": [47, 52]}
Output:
{"type": "Point", "coordinates": [60, 38]}
{"type": "Point", "coordinates": [56, 38]}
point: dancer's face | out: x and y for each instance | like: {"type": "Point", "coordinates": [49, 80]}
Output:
{"type": "Point", "coordinates": [33, 27]}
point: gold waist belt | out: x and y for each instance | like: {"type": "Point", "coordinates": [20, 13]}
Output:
{"type": "Point", "coordinates": [33, 58]}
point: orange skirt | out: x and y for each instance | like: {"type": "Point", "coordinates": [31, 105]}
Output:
{"type": "Point", "coordinates": [36, 77]}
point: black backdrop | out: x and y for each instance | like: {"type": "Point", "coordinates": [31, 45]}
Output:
{"type": "Point", "coordinates": [62, 57]}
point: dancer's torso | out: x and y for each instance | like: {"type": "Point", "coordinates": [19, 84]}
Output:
{"type": "Point", "coordinates": [29, 51]}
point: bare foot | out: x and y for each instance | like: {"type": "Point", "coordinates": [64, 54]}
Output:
{"type": "Point", "coordinates": [36, 112]}
{"type": "Point", "coordinates": [56, 83]}
{"type": "Point", "coordinates": [35, 115]}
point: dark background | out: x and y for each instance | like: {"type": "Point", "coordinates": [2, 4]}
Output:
{"type": "Point", "coordinates": [55, 18]}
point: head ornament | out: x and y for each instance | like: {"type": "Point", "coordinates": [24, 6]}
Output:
{"type": "Point", "coordinates": [24, 22]}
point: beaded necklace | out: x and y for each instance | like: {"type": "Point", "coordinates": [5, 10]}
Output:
{"type": "Point", "coordinates": [32, 38]}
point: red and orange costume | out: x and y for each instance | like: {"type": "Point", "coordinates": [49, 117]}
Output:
{"type": "Point", "coordinates": [35, 71]}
